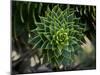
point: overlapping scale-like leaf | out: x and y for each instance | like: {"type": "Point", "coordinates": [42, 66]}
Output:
{"type": "Point", "coordinates": [57, 33]}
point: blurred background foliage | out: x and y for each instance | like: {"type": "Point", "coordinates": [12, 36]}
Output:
{"type": "Point", "coordinates": [28, 60]}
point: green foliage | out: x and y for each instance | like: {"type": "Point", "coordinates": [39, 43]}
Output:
{"type": "Point", "coordinates": [59, 35]}
{"type": "Point", "coordinates": [88, 15]}
{"type": "Point", "coordinates": [55, 30]}
{"type": "Point", "coordinates": [23, 17]}
{"type": "Point", "coordinates": [87, 11]}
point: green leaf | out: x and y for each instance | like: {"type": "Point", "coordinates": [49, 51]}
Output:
{"type": "Point", "coordinates": [44, 45]}
{"type": "Point", "coordinates": [36, 38]}
{"type": "Point", "coordinates": [38, 44]}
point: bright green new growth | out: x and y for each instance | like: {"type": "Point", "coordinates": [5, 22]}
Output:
{"type": "Point", "coordinates": [59, 35]}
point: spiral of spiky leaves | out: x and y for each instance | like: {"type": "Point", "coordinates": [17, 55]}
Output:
{"type": "Point", "coordinates": [59, 35]}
